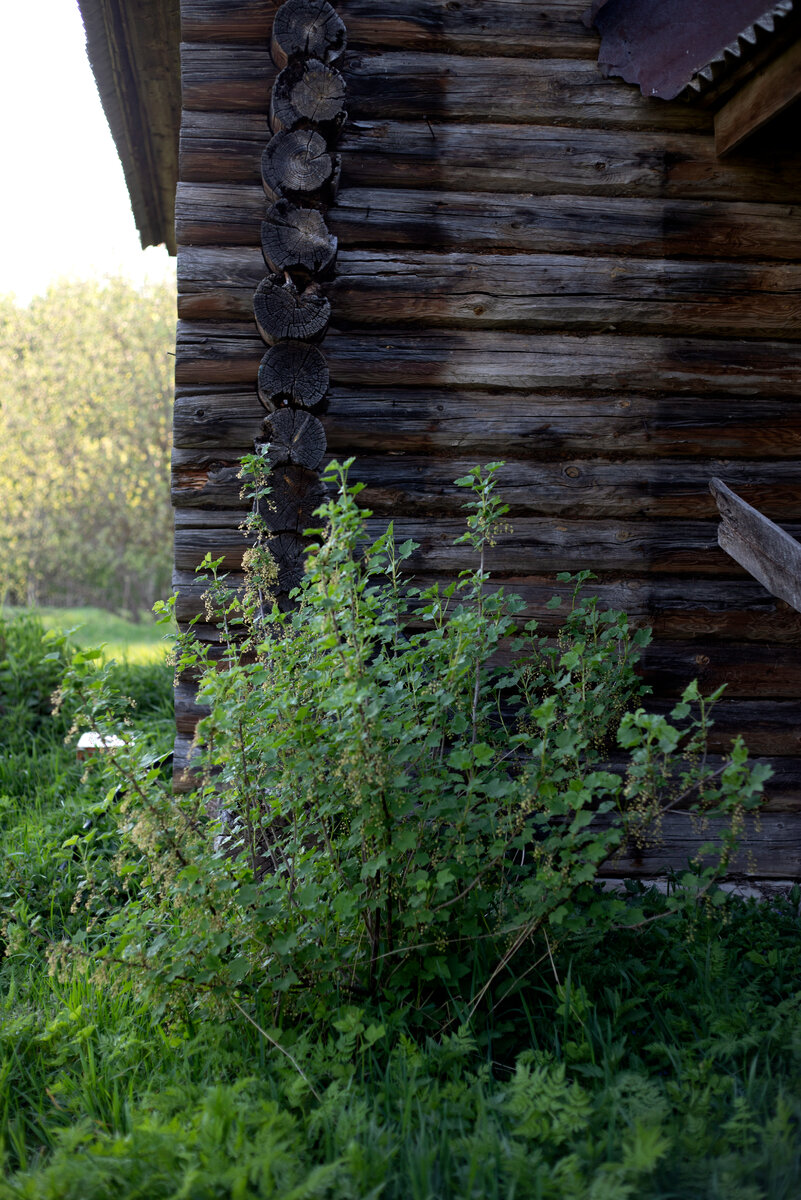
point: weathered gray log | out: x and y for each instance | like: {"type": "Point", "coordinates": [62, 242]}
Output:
{"type": "Point", "coordinates": [685, 609]}
{"type": "Point", "coordinates": [283, 312]}
{"type": "Point", "coordinates": [517, 291]}
{"type": "Point", "coordinates": [307, 27]}
{"type": "Point", "coordinates": [296, 164]}
{"type": "Point", "coordinates": [436, 422]}
{"type": "Point", "coordinates": [295, 493]}
{"type": "Point", "coordinates": [545, 160]}
{"type": "Point", "coordinates": [537, 545]}
{"type": "Point", "coordinates": [292, 373]}
{"type": "Point", "coordinates": [766, 551]}
{"type": "Point", "coordinates": [519, 28]}
{"type": "Point", "coordinates": [397, 484]}
{"type": "Point", "coordinates": [402, 85]}
{"type": "Point", "coordinates": [216, 352]}
{"type": "Point", "coordinates": [228, 215]}
{"type": "Point", "coordinates": [308, 92]}
{"type": "Point", "coordinates": [295, 437]}
{"type": "Point", "coordinates": [296, 238]}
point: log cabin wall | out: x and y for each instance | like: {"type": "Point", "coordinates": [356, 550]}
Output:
{"type": "Point", "coordinates": [535, 264]}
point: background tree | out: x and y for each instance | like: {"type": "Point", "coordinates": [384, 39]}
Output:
{"type": "Point", "coordinates": [85, 432]}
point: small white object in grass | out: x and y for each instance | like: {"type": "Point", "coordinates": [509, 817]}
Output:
{"type": "Point", "coordinates": [93, 743]}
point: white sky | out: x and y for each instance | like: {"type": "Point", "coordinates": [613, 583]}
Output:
{"type": "Point", "coordinates": [64, 207]}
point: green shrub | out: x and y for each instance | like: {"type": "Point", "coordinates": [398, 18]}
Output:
{"type": "Point", "coordinates": [398, 813]}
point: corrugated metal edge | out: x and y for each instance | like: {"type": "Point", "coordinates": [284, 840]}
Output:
{"type": "Point", "coordinates": [746, 42]}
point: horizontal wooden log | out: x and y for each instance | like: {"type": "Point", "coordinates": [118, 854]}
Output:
{"type": "Point", "coordinates": [769, 848]}
{"type": "Point", "coordinates": [537, 545]}
{"type": "Point", "coordinates": [218, 352]}
{"type": "Point", "coordinates": [505, 425]}
{"type": "Point", "coordinates": [541, 159]}
{"type": "Point", "coordinates": [410, 484]}
{"type": "Point", "coordinates": [402, 86]}
{"type": "Point", "coordinates": [517, 291]}
{"type": "Point", "coordinates": [212, 214]}
{"type": "Point", "coordinates": [523, 28]}
{"type": "Point", "coordinates": [681, 609]}
{"type": "Point", "coordinates": [769, 723]}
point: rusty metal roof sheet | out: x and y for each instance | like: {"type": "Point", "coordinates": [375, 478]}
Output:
{"type": "Point", "coordinates": [671, 46]}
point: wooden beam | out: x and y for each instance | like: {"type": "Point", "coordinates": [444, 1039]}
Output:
{"type": "Point", "coordinates": [759, 101]}
{"type": "Point", "coordinates": [766, 551]}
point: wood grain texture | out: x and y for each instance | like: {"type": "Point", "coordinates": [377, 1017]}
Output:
{"type": "Point", "coordinates": [521, 425]}
{"type": "Point", "coordinates": [521, 28]}
{"type": "Point", "coordinates": [219, 352]}
{"type": "Point", "coordinates": [765, 550]}
{"type": "Point", "coordinates": [763, 97]}
{"type": "Point", "coordinates": [693, 611]}
{"type": "Point", "coordinates": [540, 159]}
{"type": "Point", "coordinates": [213, 214]}
{"type": "Point", "coordinates": [398, 86]}
{"type": "Point", "coordinates": [515, 291]}
{"type": "Point", "coordinates": [574, 489]}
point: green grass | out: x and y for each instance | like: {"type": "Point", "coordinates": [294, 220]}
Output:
{"type": "Point", "coordinates": [140, 641]}
{"type": "Point", "coordinates": [663, 1064]}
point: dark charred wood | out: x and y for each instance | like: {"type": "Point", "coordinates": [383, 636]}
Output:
{"type": "Point", "coordinates": [308, 28]}
{"type": "Point", "coordinates": [297, 239]}
{"type": "Point", "coordinates": [292, 373]}
{"type": "Point", "coordinates": [294, 494]}
{"type": "Point", "coordinates": [295, 164]}
{"type": "Point", "coordinates": [295, 437]}
{"type": "Point", "coordinates": [308, 93]}
{"type": "Point", "coordinates": [214, 215]}
{"type": "Point", "coordinates": [282, 312]}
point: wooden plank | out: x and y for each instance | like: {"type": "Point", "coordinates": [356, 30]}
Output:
{"type": "Point", "coordinates": [524, 28]}
{"type": "Point", "coordinates": [418, 484]}
{"type": "Point", "coordinates": [516, 291]}
{"type": "Point", "coordinates": [230, 215]}
{"type": "Point", "coordinates": [761, 99]}
{"type": "Point", "coordinates": [399, 85]}
{"type": "Point", "coordinates": [479, 423]}
{"type": "Point", "coordinates": [218, 352]}
{"type": "Point", "coordinates": [541, 159]}
{"type": "Point", "coordinates": [766, 551]}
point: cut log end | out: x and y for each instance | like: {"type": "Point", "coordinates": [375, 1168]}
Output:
{"type": "Point", "coordinates": [295, 436]}
{"type": "Point", "coordinates": [288, 551]}
{"type": "Point", "coordinates": [307, 27]}
{"type": "Point", "coordinates": [295, 239]}
{"type": "Point", "coordinates": [296, 164]}
{"type": "Point", "coordinates": [284, 313]}
{"type": "Point", "coordinates": [308, 93]}
{"type": "Point", "coordinates": [295, 493]}
{"type": "Point", "coordinates": [292, 373]}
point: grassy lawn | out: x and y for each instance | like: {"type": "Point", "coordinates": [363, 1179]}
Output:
{"type": "Point", "coordinates": [134, 641]}
{"type": "Point", "coordinates": [662, 1063]}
